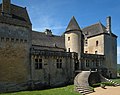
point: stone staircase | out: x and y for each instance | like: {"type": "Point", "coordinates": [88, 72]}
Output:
{"type": "Point", "coordinates": [84, 90]}
{"type": "Point", "coordinates": [81, 83]}
{"type": "Point", "coordinates": [103, 79]}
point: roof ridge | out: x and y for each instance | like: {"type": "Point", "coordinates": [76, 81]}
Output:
{"type": "Point", "coordinates": [100, 24]}
{"type": "Point", "coordinates": [91, 25]}
{"type": "Point", "coordinates": [18, 6]}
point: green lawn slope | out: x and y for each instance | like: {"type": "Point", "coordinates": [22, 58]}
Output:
{"type": "Point", "coordinates": [68, 90]}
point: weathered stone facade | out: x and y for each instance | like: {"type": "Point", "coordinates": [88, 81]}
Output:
{"type": "Point", "coordinates": [34, 60]}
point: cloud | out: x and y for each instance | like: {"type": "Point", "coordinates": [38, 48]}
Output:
{"type": "Point", "coordinates": [49, 22]}
{"type": "Point", "coordinates": [43, 16]}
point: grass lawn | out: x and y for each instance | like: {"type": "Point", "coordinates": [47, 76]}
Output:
{"type": "Point", "coordinates": [68, 90]}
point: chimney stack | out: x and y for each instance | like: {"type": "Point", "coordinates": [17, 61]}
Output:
{"type": "Point", "coordinates": [6, 7]}
{"type": "Point", "coordinates": [108, 21]}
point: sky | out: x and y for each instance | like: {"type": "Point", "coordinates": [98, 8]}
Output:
{"type": "Point", "coordinates": [56, 14]}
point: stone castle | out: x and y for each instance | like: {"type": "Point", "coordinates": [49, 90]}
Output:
{"type": "Point", "coordinates": [35, 59]}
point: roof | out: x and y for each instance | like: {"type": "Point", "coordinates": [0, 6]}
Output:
{"type": "Point", "coordinates": [73, 25]}
{"type": "Point", "coordinates": [19, 16]}
{"type": "Point", "coordinates": [41, 39]}
{"type": "Point", "coordinates": [95, 29]}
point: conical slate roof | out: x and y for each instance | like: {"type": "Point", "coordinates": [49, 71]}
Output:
{"type": "Point", "coordinates": [73, 25]}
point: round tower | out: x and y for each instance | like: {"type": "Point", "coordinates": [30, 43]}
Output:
{"type": "Point", "coordinates": [73, 37]}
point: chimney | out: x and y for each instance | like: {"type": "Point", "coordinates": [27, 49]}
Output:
{"type": "Point", "coordinates": [6, 7]}
{"type": "Point", "coordinates": [48, 32]}
{"type": "Point", "coordinates": [108, 21]}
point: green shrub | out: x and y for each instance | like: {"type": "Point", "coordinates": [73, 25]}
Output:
{"type": "Point", "coordinates": [108, 83]}
{"type": "Point", "coordinates": [96, 85]}
{"type": "Point", "coordinates": [105, 83]}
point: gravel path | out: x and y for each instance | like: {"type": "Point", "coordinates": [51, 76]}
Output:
{"type": "Point", "coordinates": [109, 90]}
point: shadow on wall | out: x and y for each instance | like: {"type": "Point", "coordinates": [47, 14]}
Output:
{"type": "Point", "coordinates": [94, 78]}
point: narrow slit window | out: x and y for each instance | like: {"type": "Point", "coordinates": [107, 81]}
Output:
{"type": "Point", "coordinates": [68, 49]}
{"type": "Point", "coordinates": [96, 43]}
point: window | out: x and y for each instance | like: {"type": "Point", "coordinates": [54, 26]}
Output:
{"type": "Point", "coordinates": [68, 49]}
{"type": "Point", "coordinates": [87, 63]}
{"type": "Point", "coordinates": [86, 42]}
{"type": "Point", "coordinates": [97, 63]}
{"type": "Point", "coordinates": [9, 32]}
{"type": "Point", "coordinates": [95, 52]}
{"type": "Point", "coordinates": [17, 40]}
{"type": "Point", "coordinates": [86, 33]}
{"type": "Point", "coordinates": [38, 63]}
{"type": "Point", "coordinates": [68, 38]}
{"type": "Point", "coordinates": [59, 63]}
{"type": "Point", "coordinates": [7, 39]}
{"type": "Point", "coordinates": [21, 40]}
{"type": "Point", "coordinates": [12, 39]}
{"type": "Point", "coordinates": [2, 38]}
{"type": "Point", "coordinates": [96, 43]}
{"type": "Point", "coordinates": [25, 41]}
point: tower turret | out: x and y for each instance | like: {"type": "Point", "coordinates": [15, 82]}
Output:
{"type": "Point", "coordinates": [73, 37]}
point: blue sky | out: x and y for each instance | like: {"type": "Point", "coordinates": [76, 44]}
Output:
{"type": "Point", "coordinates": [56, 14]}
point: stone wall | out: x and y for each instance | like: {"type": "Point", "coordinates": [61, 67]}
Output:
{"type": "Point", "coordinates": [111, 55]}
{"type": "Point", "coordinates": [106, 45]}
{"type": "Point", "coordinates": [50, 74]}
{"type": "Point", "coordinates": [14, 54]}
{"type": "Point", "coordinates": [91, 46]}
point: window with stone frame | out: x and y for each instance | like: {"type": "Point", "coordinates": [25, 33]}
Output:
{"type": "Point", "coordinates": [7, 39]}
{"type": "Point", "coordinates": [38, 63]}
{"type": "Point", "coordinates": [17, 40]}
{"type": "Point", "coordinates": [68, 49]}
{"type": "Point", "coordinates": [2, 39]}
{"type": "Point", "coordinates": [87, 63]}
{"type": "Point", "coordinates": [68, 38]}
{"type": "Point", "coordinates": [86, 42]}
{"type": "Point", "coordinates": [12, 39]}
{"type": "Point", "coordinates": [96, 43]}
{"type": "Point", "coordinates": [21, 40]}
{"type": "Point", "coordinates": [59, 63]}
{"type": "Point", "coordinates": [97, 63]}
{"type": "Point", "coordinates": [25, 41]}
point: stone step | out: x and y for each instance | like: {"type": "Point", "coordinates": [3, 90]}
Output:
{"type": "Point", "coordinates": [84, 90]}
